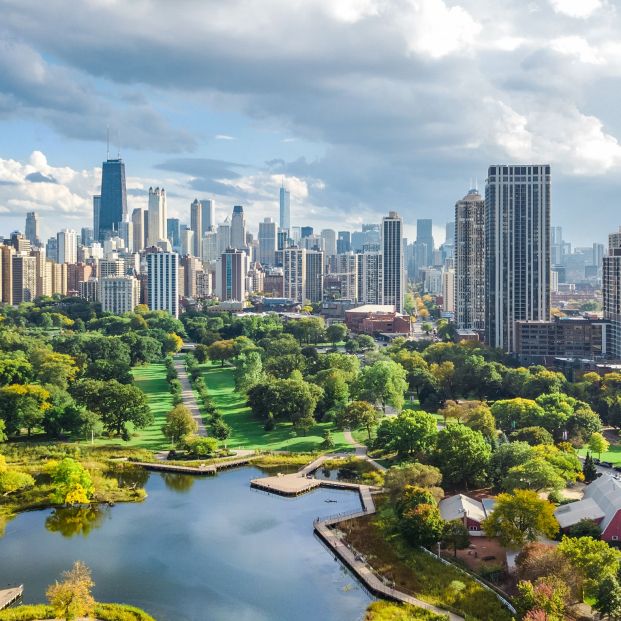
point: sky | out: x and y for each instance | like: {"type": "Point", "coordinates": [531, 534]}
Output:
{"type": "Point", "coordinates": [360, 106]}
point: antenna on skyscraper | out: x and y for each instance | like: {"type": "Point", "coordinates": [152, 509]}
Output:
{"type": "Point", "coordinates": [476, 184]}
{"type": "Point", "coordinates": [118, 144]}
{"type": "Point", "coordinates": [107, 142]}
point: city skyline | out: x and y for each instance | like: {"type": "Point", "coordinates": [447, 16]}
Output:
{"type": "Point", "coordinates": [203, 118]}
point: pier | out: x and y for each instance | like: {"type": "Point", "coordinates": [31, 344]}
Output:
{"type": "Point", "coordinates": [10, 596]}
{"type": "Point", "coordinates": [201, 470]}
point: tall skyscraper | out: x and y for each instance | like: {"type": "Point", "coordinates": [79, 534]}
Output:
{"type": "Point", "coordinates": [238, 228]}
{"type": "Point", "coordinates": [343, 243]}
{"type": "Point", "coordinates": [173, 233]}
{"type": "Point", "coordinates": [96, 212]}
{"type": "Point", "coordinates": [32, 228]}
{"type": "Point", "coordinates": [294, 274]}
{"type": "Point", "coordinates": [517, 256]}
{"type": "Point", "coordinates": [306, 231]}
{"type": "Point", "coordinates": [24, 278]}
{"type": "Point", "coordinates": [209, 246]}
{"type": "Point", "coordinates": [329, 241]}
{"type": "Point", "coordinates": [86, 236]}
{"type": "Point", "coordinates": [113, 206]}
{"type": "Point", "coordinates": [138, 228]}
{"type": "Point", "coordinates": [196, 224]}
{"type": "Point", "coordinates": [285, 209]}
{"type": "Point", "coordinates": [424, 235]}
{"type": "Point", "coordinates": [393, 260]}
{"type": "Point", "coordinates": [126, 233]}
{"type": "Point", "coordinates": [611, 286]}
{"type": "Point", "coordinates": [314, 276]}
{"type": "Point", "coordinates": [163, 281]}
{"type": "Point", "coordinates": [208, 215]}
{"type": "Point", "coordinates": [370, 277]}
{"type": "Point", "coordinates": [157, 216]}
{"type": "Point", "coordinates": [470, 262]}
{"type": "Point", "coordinates": [344, 266]}
{"type": "Point", "coordinates": [267, 242]}
{"type": "Point", "coordinates": [67, 244]}
{"type": "Point", "coordinates": [187, 240]}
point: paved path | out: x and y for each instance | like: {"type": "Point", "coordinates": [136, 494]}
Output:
{"type": "Point", "coordinates": [187, 394]}
{"type": "Point", "coordinates": [361, 450]}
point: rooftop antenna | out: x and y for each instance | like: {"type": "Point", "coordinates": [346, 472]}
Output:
{"type": "Point", "coordinates": [118, 146]}
{"type": "Point", "coordinates": [107, 142]}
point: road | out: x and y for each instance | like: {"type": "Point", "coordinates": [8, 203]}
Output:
{"type": "Point", "coordinates": [187, 394]}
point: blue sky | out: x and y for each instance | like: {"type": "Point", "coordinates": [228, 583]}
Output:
{"type": "Point", "coordinates": [362, 106]}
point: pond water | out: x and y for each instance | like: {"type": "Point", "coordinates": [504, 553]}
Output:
{"type": "Point", "coordinates": [198, 549]}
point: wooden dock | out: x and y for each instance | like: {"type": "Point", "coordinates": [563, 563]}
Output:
{"type": "Point", "coordinates": [202, 470]}
{"type": "Point", "coordinates": [10, 596]}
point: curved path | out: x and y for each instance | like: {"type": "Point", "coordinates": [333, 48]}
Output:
{"type": "Point", "coordinates": [188, 396]}
{"type": "Point", "coordinates": [361, 450]}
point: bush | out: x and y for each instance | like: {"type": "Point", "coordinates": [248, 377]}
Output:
{"type": "Point", "coordinates": [103, 612]}
{"type": "Point", "coordinates": [200, 447]}
{"type": "Point", "coordinates": [387, 611]}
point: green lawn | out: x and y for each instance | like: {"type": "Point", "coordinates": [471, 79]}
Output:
{"type": "Point", "coordinates": [248, 432]}
{"type": "Point", "coordinates": [613, 454]}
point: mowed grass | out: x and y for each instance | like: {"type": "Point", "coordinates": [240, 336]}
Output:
{"type": "Point", "coordinates": [247, 431]}
{"type": "Point", "coordinates": [613, 454]}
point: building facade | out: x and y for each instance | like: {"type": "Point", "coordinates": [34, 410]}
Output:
{"type": "Point", "coordinates": [163, 281]}
{"type": "Point", "coordinates": [393, 264]}
{"type": "Point", "coordinates": [157, 216]}
{"type": "Point", "coordinates": [294, 274]}
{"type": "Point", "coordinates": [119, 294]}
{"type": "Point", "coordinates": [113, 202]}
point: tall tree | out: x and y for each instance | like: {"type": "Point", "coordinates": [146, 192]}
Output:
{"type": "Point", "coordinates": [409, 433]}
{"type": "Point", "coordinates": [71, 597]}
{"type": "Point", "coordinates": [382, 382]}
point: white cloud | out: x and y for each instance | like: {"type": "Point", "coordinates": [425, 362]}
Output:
{"type": "Point", "coordinates": [577, 47]}
{"type": "Point", "coordinates": [224, 137]}
{"type": "Point", "coordinates": [576, 8]}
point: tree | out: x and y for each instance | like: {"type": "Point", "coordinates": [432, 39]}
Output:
{"type": "Point", "coordinates": [537, 559]}
{"type": "Point", "coordinates": [383, 382]}
{"type": "Point", "coordinates": [462, 455]}
{"type": "Point", "coordinates": [588, 469]}
{"type": "Point", "coordinates": [221, 430]}
{"type": "Point", "coordinates": [408, 433]}
{"type": "Point", "coordinates": [359, 414]}
{"type": "Point", "coordinates": [248, 370]}
{"type": "Point", "coordinates": [592, 559]}
{"type": "Point", "coordinates": [72, 482]}
{"type": "Point", "coordinates": [71, 598]}
{"type": "Point", "coordinates": [536, 474]}
{"type": "Point", "coordinates": [585, 528]}
{"type": "Point", "coordinates": [200, 447]}
{"type": "Point", "coordinates": [512, 414]}
{"type": "Point", "coordinates": [222, 350]}
{"type": "Point", "coordinates": [533, 435]}
{"type": "Point", "coordinates": [179, 423]}
{"type": "Point", "coordinates": [520, 517]}
{"type": "Point", "coordinates": [336, 332]}
{"type": "Point", "coordinates": [12, 481]}
{"type": "Point", "coordinates": [422, 524]}
{"type": "Point", "coordinates": [23, 406]}
{"type": "Point", "coordinates": [455, 535]}
{"type": "Point", "coordinates": [598, 444]}
{"type": "Point", "coordinates": [117, 404]}
{"type": "Point", "coordinates": [419, 475]}
{"type": "Point", "coordinates": [548, 596]}
{"type": "Point", "coordinates": [3, 435]}
{"type": "Point", "coordinates": [507, 456]}
{"type": "Point", "coordinates": [608, 597]}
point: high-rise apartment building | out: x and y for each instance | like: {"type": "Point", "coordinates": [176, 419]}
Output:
{"type": "Point", "coordinates": [187, 240]}
{"type": "Point", "coordinates": [196, 224]}
{"type": "Point", "coordinates": [370, 273]}
{"type": "Point", "coordinates": [224, 236]}
{"type": "Point", "coordinates": [32, 228]}
{"type": "Point", "coordinates": [157, 216]}
{"type": "Point", "coordinates": [209, 246]}
{"type": "Point", "coordinates": [329, 241]}
{"type": "Point", "coordinates": [267, 242]}
{"type": "Point", "coordinates": [113, 204]}
{"type": "Point", "coordinates": [294, 274]}
{"type": "Point", "coordinates": [163, 281]}
{"type": "Point", "coordinates": [344, 267]}
{"type": "Point", "coordinates": [24, 278]}
{"type": "Point", "coordinates": [138, 228]}
{"type": "Point", "coordinates": [611, 288]}
{"type": "Point", "coordinates": [343, 243]}
{"type": "Point", "coordinates": [517, 257]}
{"type": "Point", "coordinates": [208, 216]}
{"type": "Point", "coordinates": [238, 228]}
{"type": "Point", "coordinates": [469, 255]}
{"type": "Point", "coordinates": [67, 244]}
{"type": "Point", "coordinates": [285, 209]}
{"type": "Point", "coordinates": [448, 290]}
{"type": "Point", "coordinates": [119, 294]}
{"type": "Point", "coordinates": [96, 212]}
{"type": "Point", "coordinates": [424, 235]}
{"type": "Point", "coordinates": [314, 276]}
{"type": "Point", "coordinates": [393, 260]}
{"type": "Point", "coordinates": [231, 272]}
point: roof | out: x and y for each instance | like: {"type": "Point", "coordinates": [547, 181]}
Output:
{"type": "Point", "coordinates": [373, 308]}
{"type": "Point", "coordinates": [572, 513]}
{"type": "Point", "coordinates": [606, 492]}
{"type": "Point", "coordinates": [456, 507]}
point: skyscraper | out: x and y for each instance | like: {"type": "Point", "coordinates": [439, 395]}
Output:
{"type": "Point", "coordinates": [329, 241]}
{"type": "Point", "coordinates": [285, 209]}
{"type": "Point", "coordinates": [113, 206]}
{"type": "Point", "coordinates": [208, 215]}
{"type": "Point", "coordinates": [119, 294]}
{"type": "Point", "coordinates": [611, 286]}
{"type": "Point", "coordinates": [517, 255]}
{"type": "Point", "coordinates": [187, 240]}
{"type": "Point", "coordinates": [470, 262]}
{"type": "Point", "coordinates": [173, 233]}
{"type": "Point", "coordinates": [138, 222]}
{"type": "Point", "coordinates": [393, 265]}
{"type": "Point", "coordinates": [196, 224]}
{"type": "Point", "coordinates": [424, 235]}
{"type": "Point", "coordinates": [24, 278]}
{"type": "Point", "coordinates": [343, 243]}
{"type": "Point", "coordinates": [314, 276]}
{"type": "Point", "coordinates": [267, 242]}
{"type": "Point", "coordinates": [238, 228]}
{"type": "Point", "coordinates": [163, 281]}
{"type": "Point", "coordinates": [157, 216]}
{"type": "Point", "coordinates": [231, 275]}
{"type": "Point", "coordinates": [224, 236]}
{"type": "Point", "coordinates": [67, 244]}
{"type": "Point", "coordinates": [96, 211]}
{"type": "Point", "coordinates": [32, 228]}
{"type": "Point", "coordinates": [370, 277]}
{"type": "Point", "coordinates": [294, 274]}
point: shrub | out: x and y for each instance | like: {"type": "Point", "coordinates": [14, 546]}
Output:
{"type": "Point", "coordinates": [200, 447]}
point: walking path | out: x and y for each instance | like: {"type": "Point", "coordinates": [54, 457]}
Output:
{"type": "Point", "coordinates": [361, 450]}
{"type": "Point", "coordinates": [187, 394]}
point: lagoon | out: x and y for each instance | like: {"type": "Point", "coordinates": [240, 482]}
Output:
{"type": "Point", "coordinates": [197, 549]}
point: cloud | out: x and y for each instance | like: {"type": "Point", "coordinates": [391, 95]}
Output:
{"type": "Point", "coordinates": [576, 8]}
{"type": "Point", "coordinates": [37, 177]}
{"type": "Point", "coordinates": [224, 137]}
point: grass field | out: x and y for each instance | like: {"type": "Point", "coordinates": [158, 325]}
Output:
{"type": "Point", "coordinates": [151, 379]}
{"type": "Point", "coordinates": [613, 454]}
{"type": "Point", "coordinates": [248, 432]}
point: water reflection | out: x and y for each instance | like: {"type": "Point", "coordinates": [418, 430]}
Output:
{"type": "Point", "coordinates": [71, 521]}
{"type": "Point", "coordinates": [178, 482]}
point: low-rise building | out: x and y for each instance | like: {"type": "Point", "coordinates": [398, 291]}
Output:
{"type": "Point", "coordinates": [467, 510]}
{"type": "Point", "coordinates": [376, 319]}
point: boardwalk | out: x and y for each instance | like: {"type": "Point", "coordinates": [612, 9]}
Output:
{"type": "Point", "coordinates": [187, 394]}
{"type": "Point", "coordinates": [10, 596]}
{"type": "Point", "coordinates": [202, 470]}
